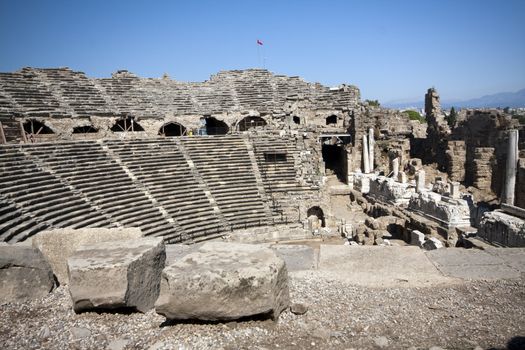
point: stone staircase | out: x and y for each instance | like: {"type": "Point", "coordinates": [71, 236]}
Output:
{"type": "Point", "coordinates": [184, 189]}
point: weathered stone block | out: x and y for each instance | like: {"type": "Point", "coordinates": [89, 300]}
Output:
{"type": "Point", "coordinates": [224, 281]}
{"type": "Point", "coordinates": [58, 245]}
{"type": "Point", "coordinates": [24, 273]}
{"type": "Point", "coordinates": [432, 243]}
{"type": "Point", "coordinates": [417, 238]}
{"type": "Point", "coordinates": [123, 274]}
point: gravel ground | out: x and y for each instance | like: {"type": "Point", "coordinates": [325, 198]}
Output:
{"type": "Point", "coordinates": [340, 316]}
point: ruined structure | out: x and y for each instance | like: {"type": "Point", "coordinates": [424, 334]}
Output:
{"type": "Point", "coordinates": [246, 151]}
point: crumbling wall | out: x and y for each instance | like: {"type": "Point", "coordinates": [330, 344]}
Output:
{"type": "Point", "coordinates": [456, 158]}
{"type": "Point", "coordinates": [482, 165]}
{"type": "Point", "coordinates": [438, 131]}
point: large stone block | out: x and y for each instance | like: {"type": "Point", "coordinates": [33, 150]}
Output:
{"type": "Point", "coordinates": [24, 273]}
{"type": "Point", "coordinates": [224, 281]}
{"type": "Point", "coordinates": [58, 245]}
{"type": "Point", "coordinates": [123, 274]}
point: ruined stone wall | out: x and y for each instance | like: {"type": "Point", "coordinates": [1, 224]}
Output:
{"type": "Point", "coordinates": [456, 159]}
{"type": "Point", "coordinates": [482, 165]}
{"type": "Point", "coordinates": [438, 131]}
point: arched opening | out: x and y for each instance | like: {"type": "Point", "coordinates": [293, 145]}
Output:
{"type": "Point", "coordinates": [172, 129]}
{"type": "Point", "coordinates": [335, 161]}
{"type": "Point", "coordinates": [214, 126]}
{"type": "Point", "coordinates": [317, 212]}
{"type": "Point", "coordinates": [331, 120]}
{"type": "Point", "coordinates": [87, 129]}
{"type": "Point", "coordinates": [126, 124]}
{"type": "Point", "coordinates": [251, 122]}
{"type": "Point", "coordinates": [296, 119]}
{"type": "Point", "coordinates": [35, 131]}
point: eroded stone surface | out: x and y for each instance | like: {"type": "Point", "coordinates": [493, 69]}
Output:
{"type": "Point", "coordinates": [224, 281]}
{"type": "Point", "coordinates": [123, 274]}
{"type": "Point", "coordinates": [24, 273]}
{"type": "Point", "coordinates": [58, 245]}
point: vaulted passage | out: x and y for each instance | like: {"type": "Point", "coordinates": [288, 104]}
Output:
{"type": "Point", "coordinates": [34, 127]}
{"type": "Point", "coordinates": [126, 124]}
{"type": "Point", "coordinates": [172, 129]}
{"type": "Point", "coordinates": [335, 161]}
{"type": "Point", "coordinates": [87, 129]}
{"type": "Point", "coordinates": [251, 122]}
{"type": "Point", "coordinates": [214, 126]}
{"type": "Point", "coordinates": [36, 131]}
{"type": "Point", "coordinates": [317, 211]}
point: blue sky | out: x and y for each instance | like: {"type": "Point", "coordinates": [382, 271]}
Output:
{"type": "Point", "coordinates": [390, 49]}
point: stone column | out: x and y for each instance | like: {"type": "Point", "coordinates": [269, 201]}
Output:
{"type": "Point", "coordinates": [395, 168]}
{"type": "Point", "coordinates": [371, 143]}
{"type": "Point", "coordinates": [510, 173]}
{"type": "Point", "coordinates": [420, 181]}
{"type": "Point", "coordinates": [366, 164]}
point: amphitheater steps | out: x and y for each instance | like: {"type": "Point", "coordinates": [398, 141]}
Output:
{"type": "Point", "coordinates": [227, 170]}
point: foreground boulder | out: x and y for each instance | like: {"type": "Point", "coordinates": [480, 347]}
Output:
{"type": "Point", "coordinates": [24, 273]}
{"type": "Point", "coordinates": [58, 245]}
{"type": "Point", "coordinates": [123, 274]}
{"type": "Point", "coordinates": [224, 281]}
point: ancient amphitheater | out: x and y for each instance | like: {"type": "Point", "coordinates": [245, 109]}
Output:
{"type": "Point", "coordinates": [370, 213]}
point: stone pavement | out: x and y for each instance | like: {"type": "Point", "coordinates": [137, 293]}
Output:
{"type": "Point", "coordinates": [394, 266]}
{"type": "Point", "coordinates": [475, 264]}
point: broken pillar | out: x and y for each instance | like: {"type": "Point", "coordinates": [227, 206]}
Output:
{"type": "Point", "coordinates": [371, 143]}
{"type": "Point", "coordinates": [510, 173]}
{"type": "Point", "coordinates": [395, 168]}
{"type": "Point", "coordinates": [420, 181]}
{"type": "Point", "coordinates": [366, 164]}
{"type": "Point", "coordinates": [454, 190]}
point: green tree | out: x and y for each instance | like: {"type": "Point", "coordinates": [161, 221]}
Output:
{"type": "Point", "coordinates": [373, 103]}
{"type": "Point", "coordinates": [452, 117]}
{"type": "Point", "coordinates": [413, 115]}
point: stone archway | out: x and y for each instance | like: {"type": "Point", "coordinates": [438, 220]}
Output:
{"type": "Point", "coordinates": [126, 124]}
{"type": "Point", "coordinates": [318, 212]}
{"type": "Point", "coordinates": [214, 126]}
{"type": "Point", "coordinates": [37, 131]}
{"type": "Point", "coordinates": [250, 123]}
{"type": "Point", "coordinates": [172, 129]}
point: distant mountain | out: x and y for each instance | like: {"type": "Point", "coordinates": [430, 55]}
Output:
{"type": "Point", "coordinates": [502, 99]}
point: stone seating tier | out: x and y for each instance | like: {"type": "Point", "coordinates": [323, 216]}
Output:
{"type": "Point", "coordinates": [123, 183]}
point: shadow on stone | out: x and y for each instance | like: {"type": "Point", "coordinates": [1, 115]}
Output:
{"type": "Point", "coordinates": [267, 316]}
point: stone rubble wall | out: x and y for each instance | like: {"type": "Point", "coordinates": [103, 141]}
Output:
{"type": "Point", "coordinates": [482, 165]}
{"type": "Point", "coordinates": [456, 157]}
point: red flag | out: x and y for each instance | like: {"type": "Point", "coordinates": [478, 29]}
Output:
{"type": "Point", "coordinates": [259, 42]}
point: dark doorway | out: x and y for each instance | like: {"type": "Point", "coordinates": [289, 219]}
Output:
{"type": "Point", "coordinates": [296, 120]}
{"type": "Point", "coordinates": [34, 127]}
{"type": "Point", "coordinates": [87, 129]}
{"type": "Point", "coordinates": [331, 120]}
{"type": "Point", "coordinates": [334, 157]}
{"type": "Point", "coordinates": [126, 124]}
{"type": "Point", "coordinates": [215, 126]}
{"type": "Point", "coordinates": [36, 131]}
{"type": "Point", "coordinates": [172, 129]}
{"type": "Point", "coordinates": [317, 211]}
{"type": "Point", "coordinates": [250, 123]}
